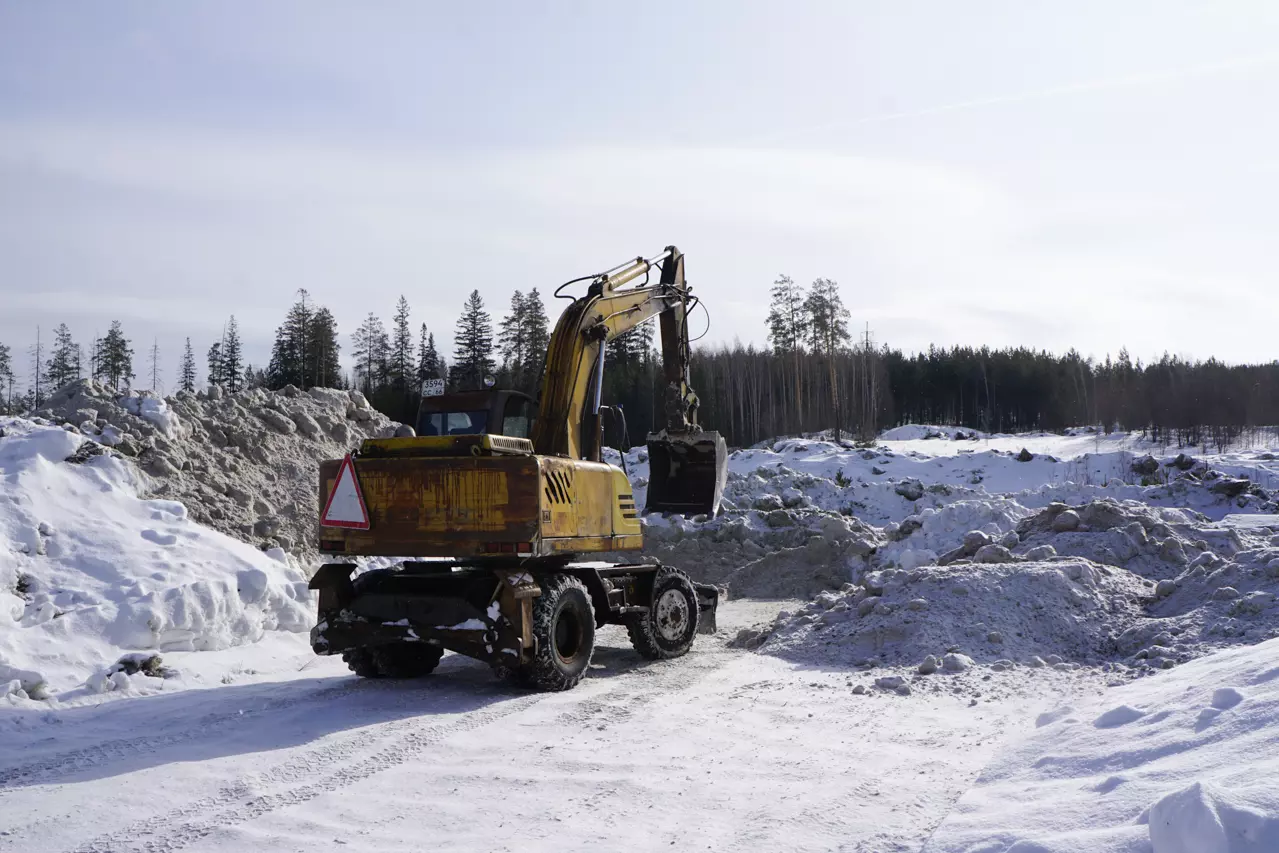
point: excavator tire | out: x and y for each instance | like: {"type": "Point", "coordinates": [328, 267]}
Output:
{"type": "Point", "coordinates": [669, 626]}
{"type": "Point", "coordinates": [564, 633]}
{"type": "Point", "coordinates": [397, 660]}
{"type": "Point", "coordinates": [361, 662]}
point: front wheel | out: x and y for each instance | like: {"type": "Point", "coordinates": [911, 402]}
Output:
{"type": "Point", "coordinates": [667, 629]}
{"type": "Point", "coordinates": [564, 631]}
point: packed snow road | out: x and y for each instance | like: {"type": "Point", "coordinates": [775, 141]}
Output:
{"type": "Point", "coordinates": [720, 750]}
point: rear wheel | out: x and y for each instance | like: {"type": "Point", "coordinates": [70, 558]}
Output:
{"type": "Point", "coordinates": [669, 626]}
{"type": "Point", "coordinates": [394, 660]}
{"type": "Point", "coordinates": [564, 631]}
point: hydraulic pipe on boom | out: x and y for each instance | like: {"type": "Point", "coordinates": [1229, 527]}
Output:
{"type": "Point", "coordinates": [688, 465]}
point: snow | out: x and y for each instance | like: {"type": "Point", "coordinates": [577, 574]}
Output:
{"type": "Point", "coordinates": [1183, 763]}
{"type": "Point", "coordinates": [735, 752]}
{"type": "Point", "coordinates": [154, 410]}
{"type": "Point", "coordinates": [90, 571]}
{"type": "Point", "coordinates": [962, 653]}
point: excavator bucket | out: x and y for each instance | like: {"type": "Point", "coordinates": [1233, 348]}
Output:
{"type": "Point", "coordinates": [687, 472]}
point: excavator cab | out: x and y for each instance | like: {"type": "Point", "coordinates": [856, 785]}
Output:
{"type": "Point", "coordinates": [491, 412]}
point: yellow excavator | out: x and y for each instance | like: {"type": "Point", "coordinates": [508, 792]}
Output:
{"type": "Point", "coordinates": [494, 503]}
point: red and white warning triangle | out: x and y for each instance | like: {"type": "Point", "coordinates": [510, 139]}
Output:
{"type": "Point", "coordinates": [345, 507]}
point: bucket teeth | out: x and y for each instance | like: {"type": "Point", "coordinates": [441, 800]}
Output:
{"type": "Point", "coordinates": [687, 472]}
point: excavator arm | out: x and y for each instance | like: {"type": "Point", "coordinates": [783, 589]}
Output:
{"type": "Point", "coordinates": [687, 464]}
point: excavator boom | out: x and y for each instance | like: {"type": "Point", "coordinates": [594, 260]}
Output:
{"type": "Point", "coordinates": [687, 464]}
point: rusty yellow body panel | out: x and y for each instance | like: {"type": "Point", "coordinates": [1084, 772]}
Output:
{"type": "Point", "coordinates": [625, 515]}
{"type": "Point", "coordinates": [438, 506]}
{"type": "Point", "coordinates": [447, 445]}
{"type": "Point", "coordinates": [486, 503]}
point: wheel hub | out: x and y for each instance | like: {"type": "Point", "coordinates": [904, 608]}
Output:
{"type": "Point", "coordinates": [671, 616]}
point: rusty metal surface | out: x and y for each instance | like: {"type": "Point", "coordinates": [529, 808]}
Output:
{"type": "Point", "coordinates": [440, 507]}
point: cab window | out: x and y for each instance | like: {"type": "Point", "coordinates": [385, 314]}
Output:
{"type": "Point", "coordinates": [516, 417]}
{"type": "Point", "coordinates": [452, 423]}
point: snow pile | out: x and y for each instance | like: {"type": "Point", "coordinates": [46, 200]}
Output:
{"type": "Point", "coordinates": [246, 464]}
{"type": "Point", "coordinates": [927, 432]}
{"type": "Point", "coordinates": [923, 538]}
{"type": "Point", "coordinates": [770, 553]}
{"type": "Point", "coordinates": [1097, 583]}
{"type": "Point", "coordinates": [1064, 612]}
{"type": "Point", "coordinates": [90, 570]}
{"type": "Point", "coordinates": [917, 501]}
{"type": "Point", "coordinates": [1183, 763]}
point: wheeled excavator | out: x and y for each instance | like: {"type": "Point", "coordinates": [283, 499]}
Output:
{"type": "Point", "coordinates": [495, 511]}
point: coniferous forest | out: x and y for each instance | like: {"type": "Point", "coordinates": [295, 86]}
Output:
{"type": "Point", "coordinates": [814, 374]}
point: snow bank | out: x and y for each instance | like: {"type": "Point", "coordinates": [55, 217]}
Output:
{"type": "Point", "coordinates": [246, 464]}
{"type": "Point", "coordinates": [929, 432]}
{"type": "Point", "coordinates": [1183, 763]}
{"type": "Point", "coordinates": [1066, 612]}
{"type": "Point", "coordinates": [90, 571]}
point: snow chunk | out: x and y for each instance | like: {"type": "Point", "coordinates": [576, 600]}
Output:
{"type": "Point", "coordinates": [1119, 716]}
{"type": "Point", "coordinates": [154, 410]}
{"type": "Point", "coordinates": [1207, 818]}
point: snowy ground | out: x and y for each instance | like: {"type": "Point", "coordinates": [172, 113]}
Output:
{"type": "Point", "coordinates": [1184, 763]}
{"type": "Point", "coordinates": [822, 729]}
{"type": "Point", "coordinates": [722, 750]}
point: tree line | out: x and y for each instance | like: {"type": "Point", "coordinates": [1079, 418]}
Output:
{"type": "Point", "coordinates": [391, 369]}
{"type": "Point", "coordinates": [814, 374]}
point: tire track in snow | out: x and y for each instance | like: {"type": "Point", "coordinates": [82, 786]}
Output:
{"type": "Point", "coordinates": [379, 748]}
{"type": "Point", "coordinates": [241, 801]}
{"type": "Point", "coordinates": [53, 768]}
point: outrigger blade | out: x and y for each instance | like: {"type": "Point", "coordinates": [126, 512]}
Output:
{"type": "Point", "coordinates": [686, 472]}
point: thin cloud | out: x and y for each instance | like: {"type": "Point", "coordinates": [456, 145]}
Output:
{"type": "Point", "coordinates": [1131, 81]}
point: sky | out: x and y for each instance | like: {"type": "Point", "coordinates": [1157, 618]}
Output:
{"type": "Point", "coordinates": [1093, 175]}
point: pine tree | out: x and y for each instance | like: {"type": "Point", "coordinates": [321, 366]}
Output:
{"type": "Point", "coordinates": [186, 376]}
{"type": "Point", "coordinates": [827, 322]}
{"type": "Point", "coordinates": [95, 357]}
{"type": "Point", "coordinates": [828, 333]}
{"type": "Point", "coordinates": [473, 355]}
{"type": "Point", "coordinates": [787, 319]}
{"type": "Point", "coordinates": [326, 370]}
{"type": "Point", "coordinates": [787, 328]}
{"type": "Point", "coordinates": [6, 378]}
{"type": "Point", "coordinates": [401, 368]}
{"type": "Point", "coordinates": [36, 391]}
{"type": "Point", "coordinates": [155, 365]}
{"type": "Point", "coordinates": [217, 374]}
{"type": "Point", "coordinates": [291, 361]}
{"type": "Point", "coordinates": [233, 357]}
{"type": "Point", "coordinates": [428, 359]}
{"type": "Point", "coordinates": [62, 366]}
{"type": "Point", "coordinates": [96, 370]}
{"type": "Point", "coordinates": [117, 357]}
{"type": "Point", "coordinates": [254, 378]}
{"type": "Point", "coordinates": [429, 363]}
{"type": "Point", "coordinates": [513, 337]}
{"type": "Point", "coordinates": [370, 350]}
{"type": "Point", "coordinates": [537, 337]}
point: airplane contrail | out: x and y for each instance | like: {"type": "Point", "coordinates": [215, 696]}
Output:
{"type": "Point", "coordinates": [1130, 81]}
